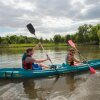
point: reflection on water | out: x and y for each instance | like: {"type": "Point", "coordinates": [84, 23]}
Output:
{"type": "Point", "coordinates": [70, 82]}
{"type": "Point", "coordinates": [77, 86]}
{"type": "Point", "coordinates": [89, 90]}
{"type": "Point", "coordinates": [29, 89]}
{"type": "Point", "coordinates": [83, 86]}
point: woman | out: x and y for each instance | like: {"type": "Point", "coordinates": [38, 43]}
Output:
{"type": "Point", "coordinates": [28, 62]}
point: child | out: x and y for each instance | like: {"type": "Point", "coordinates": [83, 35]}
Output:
{"type": "Point", "coordinates": [70, 59]}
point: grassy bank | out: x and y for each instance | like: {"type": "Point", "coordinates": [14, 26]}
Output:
{"type": "Point", "coordinates": [30, 45]}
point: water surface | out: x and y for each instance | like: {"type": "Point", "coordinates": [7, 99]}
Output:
{"type": "Point", "coordinates": [77, 86]}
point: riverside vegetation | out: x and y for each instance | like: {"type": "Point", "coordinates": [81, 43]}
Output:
{"type": "Point", "coordinates": [86, 34]}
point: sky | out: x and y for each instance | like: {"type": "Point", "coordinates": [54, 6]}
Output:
{"type": "Point", "coordinates": [49, 17]}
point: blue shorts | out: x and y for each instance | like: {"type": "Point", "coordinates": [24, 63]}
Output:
{"type": "Point", "coordinates": [36, 67]}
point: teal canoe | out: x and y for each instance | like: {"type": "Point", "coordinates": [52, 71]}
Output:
{"type": "Point", "coordinates": [61, 69]}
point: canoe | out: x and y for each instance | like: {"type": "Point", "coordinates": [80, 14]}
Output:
{"type": "Point", "coordinates": [61, 69]}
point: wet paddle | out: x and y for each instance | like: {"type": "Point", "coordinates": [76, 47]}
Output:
{"type": "Point", "coordinates": [72, 44]}
{"type": "Point", "coordinates": [32, 30]}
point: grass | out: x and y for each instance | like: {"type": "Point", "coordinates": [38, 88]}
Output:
{"type": "Point", "coordinates": [31, 45]}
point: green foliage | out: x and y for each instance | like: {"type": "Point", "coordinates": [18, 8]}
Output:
{"type": "Point", "coordinates": [57, 39]}
{"type": "Point", "coordinates": [41, 40]}
{"type": "Point", "coordinates": [63, 40]}
{"type": "Point", "coordinates": [86, 34]}
{"type": "Point", "coordinates": [98, 33]}
{"type": "Point", "coordinates": [51, 40]}
{"type": "Point", "coordinates": [0, 40]}
{"type": "Point", "coordinates": [67, 37]}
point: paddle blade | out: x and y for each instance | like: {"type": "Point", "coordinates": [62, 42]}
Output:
{"type": "Point", "coordinates": [31, 28]}
{"type": "Point", "coordinates": [92, 70]}
{"type": "Point", "coordinates": [71, 43]}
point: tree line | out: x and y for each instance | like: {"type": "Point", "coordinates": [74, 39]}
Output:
{"type": "Point", "coordinates": [86, 34]}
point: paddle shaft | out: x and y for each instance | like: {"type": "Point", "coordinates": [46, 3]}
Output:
{"type": "Point", "coordinates": [44, 49]}
{"type": "Point", "coordinates": [80, 54]}
{"type": "Point", "coordinates": [82, 57]}
{"type": "Point", "coordinates": [47, 55]}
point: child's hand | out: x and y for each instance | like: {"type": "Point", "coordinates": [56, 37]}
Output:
{"type": "Point", "coordinates": [83, 61]}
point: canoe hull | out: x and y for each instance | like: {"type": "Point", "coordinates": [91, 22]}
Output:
{"type": "Point", "coordinates": [61, 69]}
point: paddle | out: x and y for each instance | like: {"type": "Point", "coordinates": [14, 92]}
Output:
{"type": "Point", "coordinates": [32, 30]}
{"type": "Point", "coordinates": [72, 44]}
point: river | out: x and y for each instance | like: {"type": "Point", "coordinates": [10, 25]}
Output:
{"type": "Point", "coordinates": [77, 86]}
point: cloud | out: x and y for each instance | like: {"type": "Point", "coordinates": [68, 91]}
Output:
{"type": "Point", "coordinates": [49, 17]}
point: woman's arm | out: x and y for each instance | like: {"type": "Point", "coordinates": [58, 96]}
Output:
{"type": "Point", "coordinates": [40, 60]}
{"type": "Point", "coordinates": [29, 59]}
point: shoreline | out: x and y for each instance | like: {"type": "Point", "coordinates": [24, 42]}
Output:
{"type": "Point", "coordinates": [44, 45]}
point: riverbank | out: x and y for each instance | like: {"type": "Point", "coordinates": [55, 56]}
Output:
{"type": "Point", "coordinates": [30, 45]}
{"type": "Point", "coordinates": [33, 45]}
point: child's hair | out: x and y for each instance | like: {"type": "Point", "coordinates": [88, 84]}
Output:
{"type": "Point", "coordinates": [72, 50]}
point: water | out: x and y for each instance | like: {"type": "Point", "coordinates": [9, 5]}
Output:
{"type": "Point", "coordinates": [78, 86]}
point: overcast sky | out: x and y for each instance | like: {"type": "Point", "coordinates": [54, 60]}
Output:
{"type": "Point", "coordinates": [49, 17]}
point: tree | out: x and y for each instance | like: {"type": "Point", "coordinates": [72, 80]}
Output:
{"type": "Point", "coordinates": [93, 35]}
{"type": "Point", "coordinates": [81, 32]}
{"type": "Point", "coordinates": [8, 39]}
{"type": "Point", "coordinates": [41, 40]}
{"type": "Point", "coordinates": [57, 39]}
{"type": "Point", "coordinates": [68, 37]}
{"type": "Point", "coordinates": [98, 33]}
{"type": "Point", "coordinates": [4, 41]}
{"type": "Point", "coordinates": [31, 40]}
{"type": "Point", "coordinates": [21, 39]}
{"type": "Point", "coordinates": [62, 39]}
{"type": "Point", "coordinates": [0, 40]}
{"type": "Point", "coordinates": [51, 40]}
{"type": "Point", "coordinates": [13, 39]}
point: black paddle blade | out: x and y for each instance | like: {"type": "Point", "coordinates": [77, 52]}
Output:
{"type": "Point", "coordinates": [31, 28]}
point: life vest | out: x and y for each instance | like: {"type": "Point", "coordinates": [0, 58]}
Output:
{"type": "Point", "coordinates": [24, 64]}
{"type": "Point", "coordinates": [71, 63]}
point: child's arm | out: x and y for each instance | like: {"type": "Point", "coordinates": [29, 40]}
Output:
{"type": "Point", "coordinates": [76, 60]}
